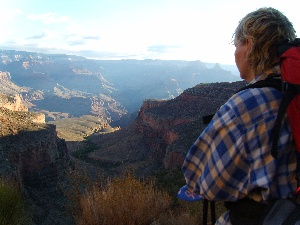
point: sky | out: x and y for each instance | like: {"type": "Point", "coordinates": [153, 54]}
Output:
{"type": "Point", "coordinates": [130, 29]}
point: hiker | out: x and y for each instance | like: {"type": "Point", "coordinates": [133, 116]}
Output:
{"type": "Point", "coordinates": [231, 160]}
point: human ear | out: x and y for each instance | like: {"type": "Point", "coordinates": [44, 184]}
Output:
{"type": "Point", "coordinates": [248, 44]}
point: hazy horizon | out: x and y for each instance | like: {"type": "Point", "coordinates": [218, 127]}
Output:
{"type": "Point", "coordinates": [157, 29]}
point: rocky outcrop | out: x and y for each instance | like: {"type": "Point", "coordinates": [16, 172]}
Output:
{"type": "Point", "coordinates": [32, 154]}
{"type": "Point", "coordinates": [38, 156]}
{"type": "Point", "coordinates": [16, 103]}
{"type": "Point", "coordinates": [164, 129]}
{"type": "Point", "coordinates": [13, 103]}
{"type": "Point", "coordinates": [175, 124]}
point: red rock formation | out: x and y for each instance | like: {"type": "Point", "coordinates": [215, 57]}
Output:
{"type": "Point", "coordinates": [163, 132]}
{"type": "Point", "coordinates": [165, 124]}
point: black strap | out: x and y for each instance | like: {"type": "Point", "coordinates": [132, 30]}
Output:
{"type": "Point", "coordinates": [205, 212]}
{"type": "Point", "coordinates": [272, 82]}
{"type": "Point", "coordinates": [275, 83]}
{"type": "Point", "coordinates": [289, 90]}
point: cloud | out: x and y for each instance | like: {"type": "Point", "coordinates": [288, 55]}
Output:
{"type": "Point", "coordinates": [162, 48]}
{"type": "Point", "coordinates": [48, 18]}
{"type": "Point", "coordinates": [33, 47]}
{"type": "Point", "coordinates": [88, 53]}
{"type": "Point", "coordinates": [77, 39]}
{"type": "Point", "coordinates": [76, 42]}
{"type": "Point", "coordinates": [39, 36]}
{"type": "Point", "coordinates": [94, 54]}
{"type": "Point", "coordinates": [91, 38]}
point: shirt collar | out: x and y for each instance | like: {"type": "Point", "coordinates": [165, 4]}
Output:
{"type": "Point", "coordinates": [266, 74]}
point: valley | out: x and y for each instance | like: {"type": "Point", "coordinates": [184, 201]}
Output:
{"type": "Point", "coordinates": [76, 86]}
{"type": "Point", "coordinates": [61, 114]}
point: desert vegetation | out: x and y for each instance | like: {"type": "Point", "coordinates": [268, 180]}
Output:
{"type": "Point", "coordinates": [12, 204]}
{"type": "Point", "coordinates": [100, 200]}
{"type": "Point", "coordinates": [128, 200]}
{"type": "Point", "coordinates": [123, 201]}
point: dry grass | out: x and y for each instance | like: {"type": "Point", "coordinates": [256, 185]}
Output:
{"type": "Point", "coordinates": [183, 218]}
{"type": "Point", "coordinates": [126, 201]}
{"type": "Point", "coordinates": [129, 201]}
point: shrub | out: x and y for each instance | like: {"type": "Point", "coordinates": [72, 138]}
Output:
{"type": "Point", "coordinates": [125, 201]}
{"type": "Point", "coordinates": [12, 209]}
{"type": "Point", "coordinates": [87, 148]}
{"type": "Point", "coordinates": [180, 218]}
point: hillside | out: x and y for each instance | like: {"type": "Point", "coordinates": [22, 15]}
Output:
{"type": "Point", "coordinates": [66, 86]}
{"type": "Point", "coordinates": [32, 155]}
{"type": "Point", "coordinates": [162, 133]}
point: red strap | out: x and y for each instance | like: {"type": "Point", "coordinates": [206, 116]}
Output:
{"type": "Point", "coordinates": [298, 191]}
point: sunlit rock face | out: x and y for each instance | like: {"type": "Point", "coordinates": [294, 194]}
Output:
{"type": "Point", "coordinates": [164, 130]}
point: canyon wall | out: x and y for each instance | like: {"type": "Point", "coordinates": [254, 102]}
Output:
{"type": "Point", "coordinates": [33, 155]}
{"type": "Point", "coordinates": [164, 130]}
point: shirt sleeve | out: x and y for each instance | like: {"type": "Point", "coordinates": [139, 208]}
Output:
{"type": "Point", "coordinates": [216, 165]}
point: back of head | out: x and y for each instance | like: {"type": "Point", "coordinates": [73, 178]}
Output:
{"type": "Point", "coordinates": [266, 29]}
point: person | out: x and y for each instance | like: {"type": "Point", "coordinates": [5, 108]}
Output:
{"type": "Point", "coordinates": [231, 160]}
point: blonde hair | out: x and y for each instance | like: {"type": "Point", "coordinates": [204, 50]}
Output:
{"type": "Point", "coordinates": [266, 29]}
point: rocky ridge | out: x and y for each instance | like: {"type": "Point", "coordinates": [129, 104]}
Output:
{"type": "Point", "coordinates": [66, 86]}
{"type": "Point", "coordinates": [163, 131]}
{"type": "Point", "coordinates": [33, 155]}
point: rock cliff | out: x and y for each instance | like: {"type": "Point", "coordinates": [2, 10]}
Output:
{"type": "Point", "coordinates": [178, 122]}
{"type": "Point", "coordinates": [32, 154]}
{"type": "Point", "coordinates": [164, 130]}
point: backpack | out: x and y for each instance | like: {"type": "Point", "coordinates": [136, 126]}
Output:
{"type": "Point", "coordinates": [289, 84]}
{"type": "Point", "coordinates": [285, 211]}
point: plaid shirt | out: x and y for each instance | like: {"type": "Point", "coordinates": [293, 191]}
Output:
{"type": "Point", "coordinates": [232, 158]}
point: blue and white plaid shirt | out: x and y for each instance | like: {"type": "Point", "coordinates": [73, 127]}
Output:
{"type": "Point", "coordinates": [232, 158]}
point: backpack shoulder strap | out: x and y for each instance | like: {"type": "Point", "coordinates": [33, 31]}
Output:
{"type": "Point", "coordinates": [279, 85]}
{"type": "Point", "coordinates": [291, 90]}
{"type": "Point", "coordinates": [272, 81]}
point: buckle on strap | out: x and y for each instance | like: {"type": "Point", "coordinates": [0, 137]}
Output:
{"type": "Point", "coordinates": [284, 86]}
{"type": "Point", "coordinates": [293, 88]}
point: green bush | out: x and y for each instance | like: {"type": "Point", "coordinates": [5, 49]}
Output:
{"type": "Point", "coordinates": [87, 148]}
{"type": "Point", "coordinates": [12, 209]}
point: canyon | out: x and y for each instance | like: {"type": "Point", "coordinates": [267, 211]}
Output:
{"type": "Point", "coordinates": [66, 86]}
{"type": "Point", "coordinates": [140, 116]}
{"type": "Point", "coordinates": [163, 131]}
